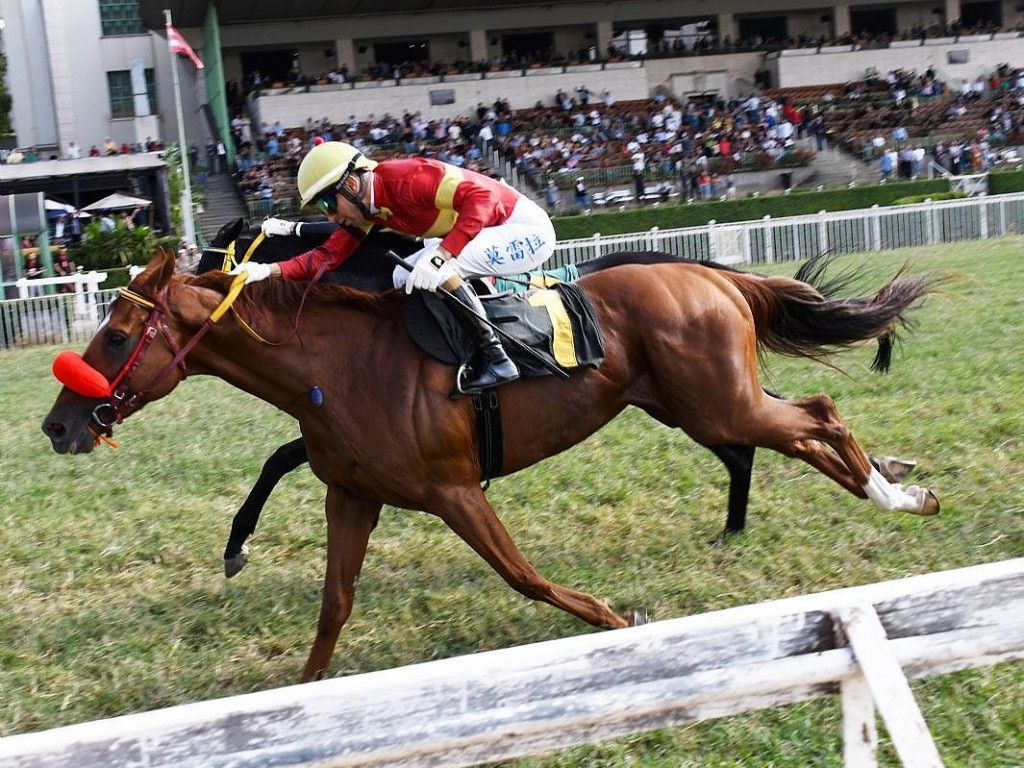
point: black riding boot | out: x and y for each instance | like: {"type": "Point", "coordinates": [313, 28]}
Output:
{"type": "Point", "coordinates": [495, 367]}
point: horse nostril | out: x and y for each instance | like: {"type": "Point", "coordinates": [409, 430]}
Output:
{"type": "Point", "coordinates": [54, 429]}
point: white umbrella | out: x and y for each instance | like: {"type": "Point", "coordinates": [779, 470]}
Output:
{"type": "Point", "coordinates": [55, 206]}
{"type": "Point", "coordinates": [118, 202]}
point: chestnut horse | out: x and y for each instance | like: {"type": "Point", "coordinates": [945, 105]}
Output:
{"type": "Point", "coordinates": [681, 342]}
{"type": "Point", "coordinates": [368, 270]}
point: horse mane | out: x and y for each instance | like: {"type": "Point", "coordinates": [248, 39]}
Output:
{"type": "Point", "coordinates": [275, 294]}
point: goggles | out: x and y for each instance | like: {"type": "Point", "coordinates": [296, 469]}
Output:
{"type": "Point", "coordinates": [325, 201]}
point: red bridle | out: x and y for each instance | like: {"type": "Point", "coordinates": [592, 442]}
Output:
{"type": "Point", "coordinates": [73, 372]}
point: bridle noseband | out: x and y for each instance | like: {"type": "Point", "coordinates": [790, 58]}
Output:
{"type": "Point", "coordinates": [121, 403]}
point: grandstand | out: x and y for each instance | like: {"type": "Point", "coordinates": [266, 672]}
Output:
{"type": "Point", "coordinates": [681, 139]}
{"type": "Point", "coordinates": [316, 69]}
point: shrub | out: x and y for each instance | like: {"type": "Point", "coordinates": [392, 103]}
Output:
{"type": "Point", "coordinates": [123, 246]}
{"type": "Point", "coordinates": [935, 197]}
{"type": "Point", "coordinates": [745, 209]}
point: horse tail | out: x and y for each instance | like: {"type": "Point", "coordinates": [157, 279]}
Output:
{"type": "Point", "coordinates": [802, 316]}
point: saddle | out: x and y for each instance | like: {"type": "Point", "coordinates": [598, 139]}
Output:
{"type": "Point", "coordinates": [557, 324]}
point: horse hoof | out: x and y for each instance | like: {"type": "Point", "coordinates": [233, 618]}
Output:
{"type": "Point", "coordinates": [638, 617]}
{"type": "Point", "coordinates": [233, 565]}
{"type": "Point", "coordinates": [928, 502]}
{"type": "Point", "coordinates": [931, 504]}
{"type": "Point", "coordinates": [894, 469]}
{"type": "Point", "coordinates": [724, 536]}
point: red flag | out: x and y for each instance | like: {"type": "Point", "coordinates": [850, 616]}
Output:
{"type": "Point", "coordinates": [178, 44]}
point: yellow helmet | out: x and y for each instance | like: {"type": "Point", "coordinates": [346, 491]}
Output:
{"type": "Point", "coordinates": [326, 166]}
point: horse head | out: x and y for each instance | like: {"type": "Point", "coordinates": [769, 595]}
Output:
{"type": "Point", "coordinates": [134, 357]}
{"type": "Point", "coordinates": [213, 255]}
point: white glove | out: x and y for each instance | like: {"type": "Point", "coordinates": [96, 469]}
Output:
{"type": "Point", "coordinates": [253, 272]}
{"type": "Point", "coordinates": [430, 272]}
{"type": "Point", "coordinates": [278, 228]}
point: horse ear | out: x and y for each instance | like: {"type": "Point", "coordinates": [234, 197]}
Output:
{"type": "Point", "coordinates": [157, 273]}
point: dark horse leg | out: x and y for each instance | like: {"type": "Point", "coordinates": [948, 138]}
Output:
{"type": "Point", "coordinates": [739, 461]}
{"type": "Point", "coordinates": [286, 458]}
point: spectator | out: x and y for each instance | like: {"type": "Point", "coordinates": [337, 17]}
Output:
{"type": "Point", "coordinates": [886, 163]}
{"type": "Point", "coordinates": [33, 266]}
{"type": "Point", "coordinates": [76, 228]}
{"type": "Point", "coordinates": [639, 163]}
{"type": "Point", "coordinates": [64, 267]}
{"type": "Point", "coordinates": [582, 198]}
{"type": "Point", "coordinates": [551, 196]}
{"type": "Point", "coordinates": [222, 157]}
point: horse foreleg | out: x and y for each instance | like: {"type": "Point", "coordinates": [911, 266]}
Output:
{"type": "Point", "coordinates": [739, 461]}
{"type": "Point", "coordinates": [350, 521]}
{"type": "Point", "coordinates": [286, 458]}
{"type": "Point", "coordinates": [468, 513]}
{"type": "Point", "coordinates": [798, 427]}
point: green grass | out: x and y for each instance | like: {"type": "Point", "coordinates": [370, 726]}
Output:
{"type": "Point", "coordinates": [112, 598]}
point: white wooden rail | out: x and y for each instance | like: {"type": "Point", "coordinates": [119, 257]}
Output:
{"type": "Point", "coordinates": [862, 641]}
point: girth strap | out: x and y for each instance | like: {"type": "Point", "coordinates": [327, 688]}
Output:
{"type": "Point", "coordinates": [488, 432]}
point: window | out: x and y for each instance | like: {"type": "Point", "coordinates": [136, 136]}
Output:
{"type": "Point", "coordinates": [445, 96]}
{"type": "Point", "coordinates": [121, 17]}
{"type": "Point", "coordinates": [122, 103]}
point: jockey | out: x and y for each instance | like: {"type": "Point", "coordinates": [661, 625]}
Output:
{"type": "Point", "coordinates": [472, 225]}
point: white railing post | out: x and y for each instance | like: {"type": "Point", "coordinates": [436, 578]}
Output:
{"type": "Point", "coordinates": [653, 239]}
{"type": "Point", "coordinates": [860, 731]}
{"type": "Point", "coordinates": [983, 217]}
{"type": "Point", "coordinates": [90, 316]}
{"type": "Point", "coordinates": [769, 240]}
{"type": "Point", "coordinates": [876, 228]}
{"type": "Point", "coordinates": [889, 687]}
{"type": "Point", "coordinates": [712, 245]}
{"type": "Point", "coordinates": [823, 243]}
{"type": "Point", "coordinates": [597, 244]}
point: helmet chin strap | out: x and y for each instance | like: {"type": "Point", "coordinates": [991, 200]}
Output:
{"type": "Point", "coordinates": [358, 198]}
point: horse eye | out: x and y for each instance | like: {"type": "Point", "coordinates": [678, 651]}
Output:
{"type": "Point", "coordinates": [116, 339]}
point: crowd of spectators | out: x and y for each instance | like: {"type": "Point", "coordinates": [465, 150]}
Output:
{"type": "Point", "coordinates": [73, 151]}
{"type": "Point", "coordinates": [659, 138]}
{"type": "Point", "coordinates": [696, 145]}
{"type": "Point", "coordinates": [266, 165]}
{"type": "Point", "coordinates": [900, 117]}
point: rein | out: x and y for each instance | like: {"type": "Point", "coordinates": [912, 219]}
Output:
{"type": "Point", "coordinates": [229, 262]}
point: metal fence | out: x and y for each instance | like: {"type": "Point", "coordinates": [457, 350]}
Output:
{"type": "Point", "coordinates": [62, 319]}
{"type": "Point", "coordinates": [799, 237]}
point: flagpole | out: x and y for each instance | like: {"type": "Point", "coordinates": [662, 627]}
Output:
{"type": "Point", "coordinates": [186, 192]}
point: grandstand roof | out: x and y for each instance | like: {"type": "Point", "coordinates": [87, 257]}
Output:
{"type": "Point", "coordinates": [191, 13]}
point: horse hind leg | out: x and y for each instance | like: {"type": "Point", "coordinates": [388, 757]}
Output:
{"type": "Point", "coordinates": [286, 458]}
{"type": "Point", "coordinates": [739, 461]}
{"type": "Point", "coordinates": [803, 428]}
{"type": "Point", "coordinates": [468, 513]}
